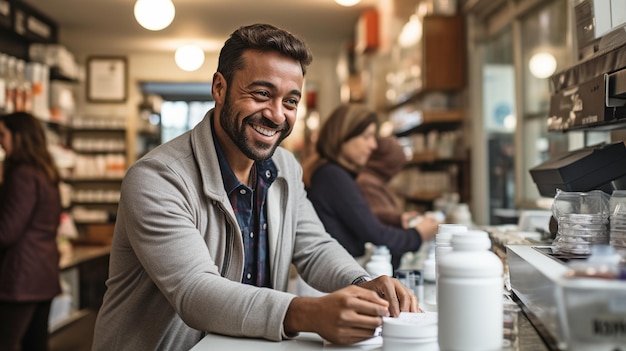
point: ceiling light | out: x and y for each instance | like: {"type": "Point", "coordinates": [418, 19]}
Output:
{"type": "Point", "coordinates": [154, 14]}
{"type": "Point", "coordinates": [347, 2]}
{"type": "Point", "coordinates": [542, 65]}
{"type": "Point", "coordinates": [411, 32]}
{"type": "Point", "coordinates": [189, 57]}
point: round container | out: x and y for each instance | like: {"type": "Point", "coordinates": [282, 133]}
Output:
{"type": "Point", "coordinates": [379, 265]}
{"type": "Point", "coordinates": [429, 301]}
{"type": "Point", "coordinates": [443, 246]}
{"type": "Point", "coordinates": [581, 226]}
{"type": "Point", "coordinates": [470, 295]}
{"type": "Point", "coordinates": [410, 331]}
{"type": "Point", "coordinates": [579, 218]}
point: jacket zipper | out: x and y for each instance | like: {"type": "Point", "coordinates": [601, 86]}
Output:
{"type": "Point", "coordinates": [229, 240]}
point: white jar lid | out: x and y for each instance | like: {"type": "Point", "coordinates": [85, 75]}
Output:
{"type": "Point", "coordinates": [443, 238]}
{"type": "Point", "coordinates": [411, 325]}
{"type": "Point", "coordinates": [451, 228]}
{"type": "Point", "coordinates": [472, 240]}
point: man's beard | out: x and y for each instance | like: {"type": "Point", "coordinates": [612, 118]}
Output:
{"type": "Point", "coordinates": [257, 150]}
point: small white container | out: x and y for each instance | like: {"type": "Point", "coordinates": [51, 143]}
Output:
{"type": "Point", "coordinates": [380, 263]}
{"type": "Point", "coordinates": [443, 246]}
{"type": "Point", "coordinates": [410, 332]}
{"type": "Point", "coordinates": [470, 295]}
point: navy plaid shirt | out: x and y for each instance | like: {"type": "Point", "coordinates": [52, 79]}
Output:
{"type": "Point", "coordinates": [249, 207]}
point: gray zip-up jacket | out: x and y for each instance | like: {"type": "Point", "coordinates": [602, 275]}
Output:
{"type": "Point", "coordinates": [177, 256]}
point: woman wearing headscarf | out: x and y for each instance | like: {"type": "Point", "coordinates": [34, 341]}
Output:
{"type": "Point", "coordinates": [345, 143]}
{"type": "Point", "coordinates": [386, 161]}
{"type": "Point", "coordinates": [30, 210]}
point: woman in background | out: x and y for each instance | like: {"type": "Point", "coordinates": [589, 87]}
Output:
{"type": "Point", "coordinates": [30, 209]}
{"type": "Point", "coordinates": [345, 143]}
{"type": "Point", "coordinates": [385, 163]}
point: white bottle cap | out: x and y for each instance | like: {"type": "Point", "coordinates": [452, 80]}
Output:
{"type": "Point", "coordinates": [419, 327]}
{"type": "Point", "coordinates": [471, 240]}
{"type": "Point", "coordinates": [451, 228]}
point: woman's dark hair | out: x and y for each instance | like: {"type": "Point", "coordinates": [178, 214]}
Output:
{"type": "Point", "coordinates": [263, 37]}
{"type": "Point", "coordinates": [344, 123]}
{"type": "Point", "coordinates": [29, 145]}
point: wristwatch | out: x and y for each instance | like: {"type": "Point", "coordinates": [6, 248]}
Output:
{"type": "Point", "coordinates": [362, 279]}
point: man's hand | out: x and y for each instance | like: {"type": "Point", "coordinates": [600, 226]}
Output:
{"type": "Point", "coordinates": [399, 297]}
{"type": "Point", "coordinates": [345, 316]}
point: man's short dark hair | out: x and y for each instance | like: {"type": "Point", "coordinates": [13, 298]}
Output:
{"type": "Point", "coordinates": [263, 37]}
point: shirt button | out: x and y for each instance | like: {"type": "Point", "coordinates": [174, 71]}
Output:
{"type": "Point", "coordinates": [251, 234]}
{"type": "Point", "coordinates": [264, 225]}
{"type": "Point", "coordinates": [268, 173]}
{"type": "Point", "coordinates": [242, 191]}
{"type": "Point", "coordinates": [248, 276]}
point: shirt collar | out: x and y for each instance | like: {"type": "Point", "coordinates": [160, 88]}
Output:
{"type": "Point", "coordinates": [265, 169]}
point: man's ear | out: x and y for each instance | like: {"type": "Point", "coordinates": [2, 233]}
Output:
{"type": "Point", "coordinates": [218, 88]}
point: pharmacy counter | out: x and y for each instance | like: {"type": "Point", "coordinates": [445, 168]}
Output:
{"type": "Point", "coordinates": [525, 338]}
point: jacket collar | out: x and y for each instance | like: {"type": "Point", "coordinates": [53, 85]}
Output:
{"type": "Point", "coordinates": [203, 148]}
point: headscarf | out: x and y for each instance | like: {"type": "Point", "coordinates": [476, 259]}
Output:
{"type": "Point", "coordinates": [388, 158]}
{"type": "Point", "coordinates": [344, 123]}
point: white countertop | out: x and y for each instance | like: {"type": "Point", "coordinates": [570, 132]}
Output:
{"type": "Point", "coordinates": [409, 331]}
{"type": "Point", "coordinates": [304, 342]}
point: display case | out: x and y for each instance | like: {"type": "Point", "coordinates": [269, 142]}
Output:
{"type": "Point", "coordinates": [100, 165]}
{"type": "Point", "coordinates": [425, 110]}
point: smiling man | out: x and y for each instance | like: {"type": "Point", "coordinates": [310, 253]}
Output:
{"type": "Point", "coordinates": [210, 222]}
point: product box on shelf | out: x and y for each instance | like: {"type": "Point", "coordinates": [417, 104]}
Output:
{"type": "Point", "coordinates": [594, 167]}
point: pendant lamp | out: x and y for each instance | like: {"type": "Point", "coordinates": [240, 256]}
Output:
{"type": "Point", "coordinates": [347, 2]}
{"type": "Point", "coordinates": [189, 57]}
{"type": "Point", "coordinates": [154, 14]}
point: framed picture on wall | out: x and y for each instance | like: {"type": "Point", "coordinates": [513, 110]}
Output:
{"type": "Point", "coordinates": [107, 79]}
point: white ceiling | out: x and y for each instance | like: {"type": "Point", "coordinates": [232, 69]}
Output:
{"type": "Point", "coordinates": [108, 26]}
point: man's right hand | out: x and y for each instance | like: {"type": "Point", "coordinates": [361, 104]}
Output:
{"type": "Point", "coordinates": [345, 316]}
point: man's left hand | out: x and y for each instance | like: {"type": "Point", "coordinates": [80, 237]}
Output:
{"type": "Point", "coordinates": [400, 298]}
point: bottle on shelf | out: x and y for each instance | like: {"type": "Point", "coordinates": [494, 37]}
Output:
{"type": "Point", "coordinates": [11, 85]}
{"type": "Point", "coordinates": [23, 88]}
{"type": "Point", "coordinates": [3, 81]}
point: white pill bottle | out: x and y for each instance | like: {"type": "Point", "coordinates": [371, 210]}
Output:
{"type": "Point", "coordinates": [470, 295]}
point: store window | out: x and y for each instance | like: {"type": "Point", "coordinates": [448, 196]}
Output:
{"type": "Point", "coordinates": [181, 105]}
{"type": "Point", "coordinates": [546, 48]}
{"type": "Point", "coordinates": [178, 117]}
{"type": "Point", "coordinates": [499, 122]}
{"type": "Point", "coordinates": [522, 43]}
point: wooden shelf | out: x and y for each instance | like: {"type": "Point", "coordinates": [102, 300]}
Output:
{"type": "Point", "coordinates": [93, 179]}
{"type": "Point", "coordinates": [56, 74]}
{"type": "Point", "coordinates": [98, 130]}
{"type": "Point", "coordinates": [100, 152]}
{"type": "Point", "coordinates": [74, 317]}
{"type": "Point", "coordinates": [424, 196]}
{"type": "Point", "coordinates": [95, 203]}
{"type": "Point", "coordinates": [432, 157]}
{"type": "Point", "coordinates": [441, 120]}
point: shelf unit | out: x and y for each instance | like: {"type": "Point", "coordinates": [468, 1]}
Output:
{"type": "Point", "coordinates": [21, 25]}
{"type": "Point", "coordinates": [100, 148]}
{"type": "Point", "coordinates": [426, 114]}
